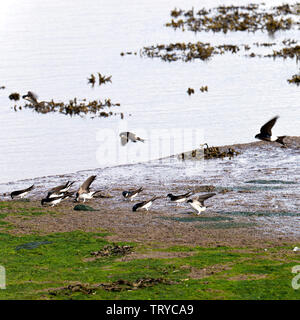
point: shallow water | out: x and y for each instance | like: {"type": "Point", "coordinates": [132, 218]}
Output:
{"type": "Point", "coordinates": [52, 47]}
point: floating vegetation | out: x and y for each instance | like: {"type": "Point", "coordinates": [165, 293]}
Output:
{"type": "Point", "coordinates": [14, 96]}
{"type": "Point", "coordinates": [289, 42]}
{"type": "Point", "coordinates": [113, 250]}
{"type": "Point", "coordinates": [92, 80]}
{"type": "Point", "coordinates": [295, 79]}
{"type": "Point", "coordinates": [190, 91]}
{"type": "Point", "coordinates": [186, 51]}
{"type": "Point", "coordinates": [204, 88]}
{"type": "Point", "coordinates": [32, 245]}
{"type": "Point", "coordinates": [73, 107]}
{"type": "Point", "coordinates": [128, 53]}
{"type": "Point", "coordinates": [287, 52]}
{"type": "Point", "coordinates": [234, 18]}
{"type": "Point", "coordinates": [101, 79]}
{"type": "Point", "coordinates": [264, 44]}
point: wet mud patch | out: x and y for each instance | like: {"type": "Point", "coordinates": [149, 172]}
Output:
{"type": "Point", "coordinates": [226, 225]}
{"type": "Point", "coordinates": [196, 219]}
{"type": "Point", "coordinates": [196, 273]}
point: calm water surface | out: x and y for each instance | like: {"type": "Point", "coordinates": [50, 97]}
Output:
{"type": "Point", "coordinates": [51, 48]}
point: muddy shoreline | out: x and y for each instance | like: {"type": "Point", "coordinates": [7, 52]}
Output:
{"type": "Point", "coordinates": [258, 207]}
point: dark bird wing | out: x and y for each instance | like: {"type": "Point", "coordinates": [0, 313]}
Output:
{"type": "Point", "coordinates": [138, 205]}
{"type": "Point", "coordinates": [133, 192]}
{"type": "Point", "coordinates": [17, 192]}
{"type": "Point", "coordinates": [266, 129]}
{"type": "Point", "coordinates": [204, 197]}
{"type": "Point", "coordinates": [86, 185]}
{"type": "Point", "coordinates": [188, 194]}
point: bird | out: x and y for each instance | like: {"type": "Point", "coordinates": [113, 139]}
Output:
{"type": "Point", "coordinates": [60, 190]}
{"type": "Point", "coordinates": [84, 191]}
{"type": "Point", "coordinates": [130, 194]}
{"type": "Point", "coordinates": [144, 204]}
{"type": "Point", "coordinates": [21, 193]}
{"type": "Point", "coordinates": [266, 132]}
{"type": "Point", "coordinates": [126, 136]}
{"type": "Point", "coordinates": [180, 198]}
{"type": "Point", "coordinates": [31, 97]}
{"type": "Point", "coordinates": [56, 200]}
{"type": "Point", "coordinates": [198, 203]}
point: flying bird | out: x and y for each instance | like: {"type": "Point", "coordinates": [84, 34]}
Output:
{"type": "Point", "coordinates": [126, 136]}
{"type": "Point", "coordinates": [21, 193]}
{"type": "Point", "coordinates": [198, 203]}
{"type": "Point", "coordinates": [266, 132]}
{"type": "Point", "coordinates": [31, 97]}
{"type": "Point", "coordinates": [56, 200]}
{"type": "Point", "coordinates": [60, 190]}
{"type": "Point", "coordinates": [130, 194]}
{"type": "Point", "coordinates": [84, 191]}
{"type": "Point", "coordinates": [145, 204]}
{"type": "Point", "coordinates": [180, 198]}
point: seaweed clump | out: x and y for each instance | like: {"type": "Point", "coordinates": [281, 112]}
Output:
{"type": "Point", "coordinates": [14, 96]}
{"type": "Point", "coordinates": [252, 17]}
{"type": "Point", "coordinates": [216, 152]}
{"type": "Point", "coordinates": [209, 153]}
{"type": "Point", "coordinates": [101, 79]}
{"type": "Point", "coordinates": [73, 107]}
{"type": "Point", "coordinates": [186, 51]}
{"type": "Point", "coordinates": [295, 79]}
{"type": "Point", "coordinates": [113, 250]}
{"type": "Point", "coordinates": [287, 52]}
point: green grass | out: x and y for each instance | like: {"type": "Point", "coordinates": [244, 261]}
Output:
{"type": "Point", "coordinates": [43, 266]}
{"type": "Point", "coordinates": [60, 260]}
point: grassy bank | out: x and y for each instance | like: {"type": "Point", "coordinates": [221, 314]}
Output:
{"type": "Point", "coordinates": [81, 265]}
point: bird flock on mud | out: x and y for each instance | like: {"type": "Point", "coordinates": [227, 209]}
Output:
{"type": "Point", "coordinates": [60, 193]}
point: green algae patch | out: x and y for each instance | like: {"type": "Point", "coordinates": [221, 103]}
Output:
{"type": "Point", "coordinates": [270, 182]}
{"type": "Point", "coordinates": [83, 207]}
{"type": "Point", "coordinates": [260, 213]}
{"type": "Point", "coordinates": [32, 245]}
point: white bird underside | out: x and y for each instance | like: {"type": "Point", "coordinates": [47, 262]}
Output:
{"type": "Point", "coordinates": [197, 206]}
{"type": "Point", "coordinates": [86, 196]}
{"type": "Point", "coordinates": [147, 205]}
{"type": "Point", "coordinates": [22, 195]}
